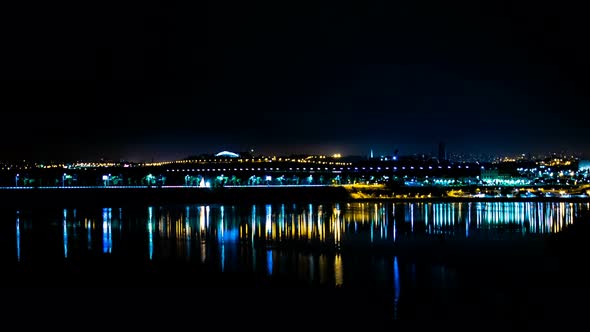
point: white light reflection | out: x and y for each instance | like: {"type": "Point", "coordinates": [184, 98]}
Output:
{"type": "Point", "coordinates": [207, 216]}
{"type": "Point", "coordinates": [429, 217]}
{"type": "Point", "coordinates": [337, 226]}
{"type": "Point", "coordinates": [282, 225]}
{"type": "Point", "coordinates": [107, 243]}
{"type": "Point", "coordinates": [120, 221]}
{"type": "Point", "coordinates": [319, 223]}
{"type": "Point", "coordinates": [203, 232]}
{"type": "Point", "coordinates": [88, 225]}
{"type": "Point", "coordinates": [65, 233]}
{"type": "Point", "coordinates": [529, 217]}
{"type": "Point", "coordinates": [17, 236]}
{"type": "Point", "coordinates": [309, 221]}
{"type": "Point", "coordinates": [385, 223]}
{"type": "Point", "coordinates": [74, 223]}
{"type": "Point", "coordinates": [253, 220]}
{"type": "Point", "coordinates": [374, 220]}
{"type": "Point", "coordinates": [268, 221]}
{"type": "Point", "coordinates": [468, 220]}
{"type": "Point", "coordinates": [151, 231]}
{"type": "Point", "coordinates": [412, 217]}
{"type": "Point", "coordinates": [252, 237]}
{"type": "Point", "coordinates": [221, 240]}
{"type": "Point", "coordinates": [188, 232]}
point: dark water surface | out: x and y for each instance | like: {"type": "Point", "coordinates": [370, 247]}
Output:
{"type": "Point", "coordinates": [256, 263]}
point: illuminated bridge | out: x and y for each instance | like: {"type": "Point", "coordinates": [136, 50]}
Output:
{"type": "Point", "coordinates": [234, 171]}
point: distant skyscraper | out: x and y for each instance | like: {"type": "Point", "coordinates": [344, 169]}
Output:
{"type": "Point", "coordinates": [371, 155]}
{"type": "Point", "coordinates": [442, 151]}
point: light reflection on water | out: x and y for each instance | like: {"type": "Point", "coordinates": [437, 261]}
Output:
{"type": "Point", "coordinates": [332, 226]}
{"type": "Point", "coordinates": [304, 240]}
{"type": "Point", "coordinates": [17, 236]}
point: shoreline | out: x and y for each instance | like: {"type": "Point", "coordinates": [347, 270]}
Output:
{"type": "Point", "coordinates": [21, 197]}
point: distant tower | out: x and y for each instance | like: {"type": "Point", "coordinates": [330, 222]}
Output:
{"type": "Point", "coordinates": [442, 151]}
{"type": "Point", "coordinates": [371, 155]}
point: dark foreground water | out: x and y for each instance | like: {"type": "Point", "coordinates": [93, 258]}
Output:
{"type": "Point", "coordinates": [259, 264]}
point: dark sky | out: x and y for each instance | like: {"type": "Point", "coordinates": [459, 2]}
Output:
{"type": "Point", "coordinates": [165, 80]}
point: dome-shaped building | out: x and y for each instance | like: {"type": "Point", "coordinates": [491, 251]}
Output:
{"type": "Point", "coordinates": [227, 154]}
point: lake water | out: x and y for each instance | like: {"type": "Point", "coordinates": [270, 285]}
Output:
{"type": "Point", "coordinates": [391, 261]}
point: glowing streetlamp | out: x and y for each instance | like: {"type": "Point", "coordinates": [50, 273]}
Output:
{"type": "Point", "coordinates": [106, 179]}
{"type": "Point", "coordinates": [149, 179]}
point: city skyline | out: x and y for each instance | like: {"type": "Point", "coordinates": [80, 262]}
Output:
{"type": "Point", "coordinates": [164, 82]}
{"type": "Point", "coordinates": [431, 152]}
{"type": "Point", "coordinates": [352, 150]}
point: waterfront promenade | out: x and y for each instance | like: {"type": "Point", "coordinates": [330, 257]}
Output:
{"type": "Point", "coordinates": [153, 195]}
{"type": "Point", "coordinates": [73, 196]}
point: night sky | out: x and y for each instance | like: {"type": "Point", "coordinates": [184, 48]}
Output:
{"type": "Point", "coordinates": [160, 81]}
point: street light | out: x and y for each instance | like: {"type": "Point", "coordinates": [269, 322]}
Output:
{"type": "Point", "coordinates": [105, 178]}
{"type": "Point", "coordinates": [149, 179]}
{"type": "Point", "coordinates": [16, 180]}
